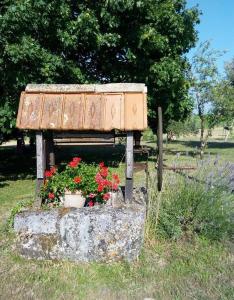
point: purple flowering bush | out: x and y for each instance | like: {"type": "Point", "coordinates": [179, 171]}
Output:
{"type": "Point", "coordinates": [201, 203]}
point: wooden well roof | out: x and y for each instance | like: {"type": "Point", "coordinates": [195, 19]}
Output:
{"type": "Point", "coordinates": [83, 107]}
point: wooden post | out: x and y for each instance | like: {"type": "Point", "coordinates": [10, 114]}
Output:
{"type": "Point", "coordinates": [137, 138]}
{"type": "Point", "coordinates": [41, 162]}
{"type": "Point", "coordinates": [50, 151]}
{"type": "Point", "coordinates": [129, 167]}
{"type": "Point", "coordinates": [160, 149]}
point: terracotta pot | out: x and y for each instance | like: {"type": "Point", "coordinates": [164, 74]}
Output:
{"type": "Point", "coordinates": [73, 199]}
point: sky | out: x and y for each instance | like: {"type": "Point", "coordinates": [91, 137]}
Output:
{"type": "Point", "coordinates": [216, 25]}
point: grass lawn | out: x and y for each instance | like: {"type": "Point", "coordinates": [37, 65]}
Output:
{"type": "Point", "coordinates": [195, 269]}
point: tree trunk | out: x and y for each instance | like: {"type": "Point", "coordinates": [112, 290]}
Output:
{"type": "Point", "coordinates": [202, 140]}
{"type": "Point", "coordinates": [20, 143]}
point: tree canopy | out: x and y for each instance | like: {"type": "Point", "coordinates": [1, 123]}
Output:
{"type": "Point", "coordinates": [223, 105]}
{"type": "Point", "coordinates": [61, 41]}
{"type": "Point", "coordinates": [205, 78]}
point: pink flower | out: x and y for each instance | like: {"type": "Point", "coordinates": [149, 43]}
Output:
{"type": "Point", "coordinates": [51, 195]}
{"type": "Point", "coordinates": [115, 186]}
{"type": "Point", "coordinates": [90, 203]}
{"type": "Point", "coordinates": [91, 195]}
{"type": "Point", "coordinates": [106, 196]}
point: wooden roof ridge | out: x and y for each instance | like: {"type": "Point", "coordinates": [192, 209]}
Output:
{"type": "Point", "coordinates": [81, 88]}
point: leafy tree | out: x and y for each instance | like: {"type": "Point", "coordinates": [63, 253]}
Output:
{"type": "Point", "coordinates": [223, 105]}
{"type": "Point", "coordinates": [229, 68]}
{"type": "Point", "coordinates": [186, 127]}
{"type": "Point", "coordinates": [97, 41]}
{"type": "Point", "coordinates": [205, 78]}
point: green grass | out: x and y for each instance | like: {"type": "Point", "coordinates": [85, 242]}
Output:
{"type": "Point", "coordinates": [186, 269]}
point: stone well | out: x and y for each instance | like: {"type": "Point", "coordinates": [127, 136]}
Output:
{"type": "Point", "coordinates": [102, 233]}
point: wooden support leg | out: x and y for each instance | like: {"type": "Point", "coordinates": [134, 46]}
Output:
{"type": "Point", "coordinates": [50, 152]}
{"type": "Point", "coordinates": [41, 162]}
{"type": "Point", "coordinates": [137, 138]}
{"type": "Point", "coordinates": [129, 167]}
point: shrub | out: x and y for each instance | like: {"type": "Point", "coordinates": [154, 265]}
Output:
{"type": "Point", "coordinates": [20, 206]}
{"type": "Point", "coordinates": [201, 204]}
{"type": "Point", "coordinates": [178, 128]}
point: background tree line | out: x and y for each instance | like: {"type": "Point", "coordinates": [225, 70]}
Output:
{"type": "Point", "coordinates": [113, 41]}
{"type": "Point", "coordinates": [97, 42]}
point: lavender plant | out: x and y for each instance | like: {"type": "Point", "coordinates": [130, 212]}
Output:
{"type": "Point", "coordinates": [201, 203]}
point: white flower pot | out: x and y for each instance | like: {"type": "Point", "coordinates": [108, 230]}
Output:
{"type": "Point", "coordinates": [73, 199]}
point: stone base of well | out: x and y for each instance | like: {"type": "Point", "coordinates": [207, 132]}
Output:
{"type": "Point", "coordinates": [102, 233]}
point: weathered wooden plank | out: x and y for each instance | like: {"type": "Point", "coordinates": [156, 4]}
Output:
{"type": "Point", "coordinates": [19, 115]}
{"type": "Point", "coordinates": [85, 140]}
{"type": "Point", "coordinates": [30, 117]}
{"type": "Point", "coordinates": [40, 154]}
{"type": "Point", "coordinates": [51, 112]}
{"type": "Point", "coordinates": [134, 111]}
{"type": "Point", "coordinates": [93, 112]}
{"type": "Point", "coordinates": [122, 112]}
{"type": "Point", "coordinates": [41, 164]}
{"type": "Point", "coordinates": [80, 88]}
{"type": "Point", "coordinates": [74, 112]}
{"type": "Point", "coordinates": [38, 199]}
{"type": "Point", "coordinates": [129, 167]}
{"type": "Point", "coordinates": [112, 112]}
{"type": "Point", "coordinates": [82, 134]}
{"type": "Point", "coordinates": [83, 144]}
{"type": "Point", "coordinates": [145, 121]}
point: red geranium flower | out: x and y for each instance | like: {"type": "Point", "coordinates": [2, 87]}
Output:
{"type": "Point", "coordinates": [77, 179]}
{"type": "Point", "coordinates": [51, 195]}
{"type": "Point", "coordinates": [100, 188]}
{"type": "Point", "coordinates": [116, 178]}
{"type": "Point", "coordinates": [98, 178]}
{"type": "Point", "coordinates": [115, 186]}
{"type": "Point", "coordinates": [48, 173]}
{"type": "Point", "coordinates": [104, 171]}
{"type": "Point", "coordinates": [106, 196]}
{"type": "Point", "coordinates": [73, 164]}
{"type": "Point", "coordinates": [106, 182]}
{"type": "Point", "coordinates": [90, 203]}
{"type": "Point", "coordinates": [101, 165]}
{"type": "Point", "coordinates": [53, 170]}
{"type": "Point", "coordinates": [77, 159]}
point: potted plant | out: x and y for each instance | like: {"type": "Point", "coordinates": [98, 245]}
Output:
{"type": "Point", "coordinates": [79, 183]}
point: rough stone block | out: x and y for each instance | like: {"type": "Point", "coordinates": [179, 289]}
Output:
{"type": "Point", "coordinates": [100, 233]}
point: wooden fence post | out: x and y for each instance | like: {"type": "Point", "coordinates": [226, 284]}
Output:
{"type": "Point", "coordinates": [41, 162]}
{"type": "Point", "coordinates": [129, 167]}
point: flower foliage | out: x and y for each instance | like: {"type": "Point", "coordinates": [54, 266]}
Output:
{"type": "Point", "coordinates": [95, 182]}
